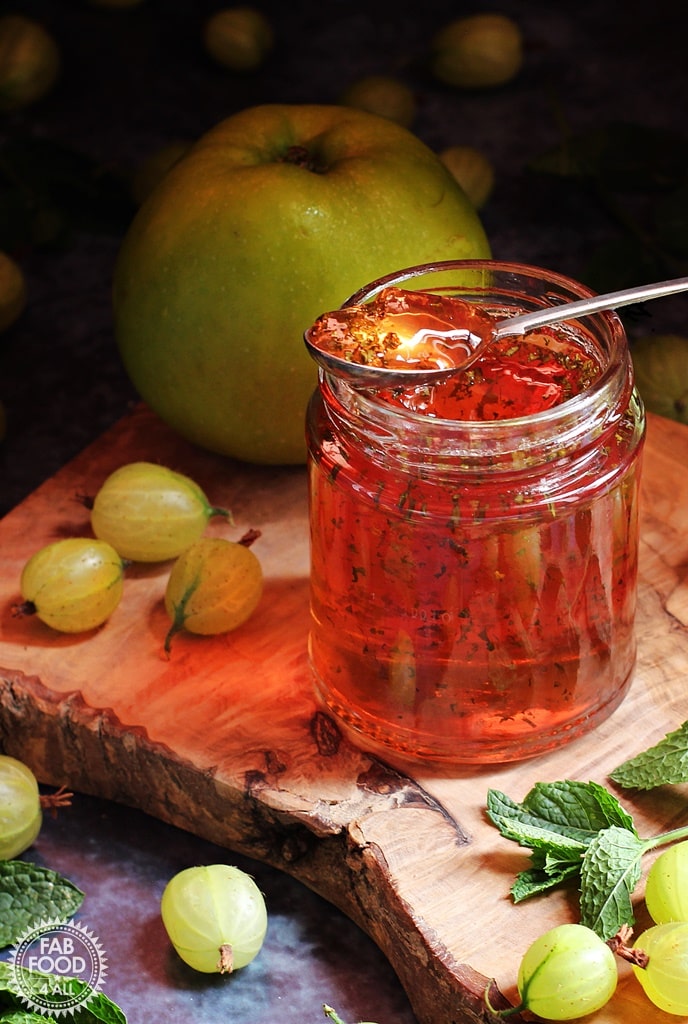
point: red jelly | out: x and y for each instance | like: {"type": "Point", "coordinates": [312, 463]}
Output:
{"type": "Point", "coordinates": [474, 544]}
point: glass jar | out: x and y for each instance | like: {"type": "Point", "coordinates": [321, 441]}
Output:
{"type": "Point", "coordinates": [473, 581]}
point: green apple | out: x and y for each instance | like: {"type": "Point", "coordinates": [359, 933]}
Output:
{"type": "Point", "coordinates": [273, 217]}
{"type": "Point", "coordinates": [478, 51]}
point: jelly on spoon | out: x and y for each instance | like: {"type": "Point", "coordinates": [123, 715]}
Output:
{"type": "Point", "coordinates": [400, 334]}
{"type": "Point", "coordinates": [412, 337]}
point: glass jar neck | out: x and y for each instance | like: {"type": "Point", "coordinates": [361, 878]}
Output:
{"type": "Point", "coordinates": [399, 434]}
{"type": "Point", "coordinates": [418, 437]}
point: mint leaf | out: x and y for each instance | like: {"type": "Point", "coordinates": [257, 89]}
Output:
{"type": "Point", "coordinates": [538, 838]}
{"type": "Point", "coordinates": [30, 894]}
{"type": "Point", "coordinates": [514, 820]}
{"type": "Point", "coordinates": [576, 810]}
{"type": "Point", "coordinates": [664, 764]}
{"type": "Point", "coordinates": [25, 1017]}
{"type": "Point", "coordinates": [537, 881]}
{"type": "Point", "coordinates": [550, 865]}
{"type": "Point", "coordinates": [555, 858]}
{"type": "Point", "coordinates": [585, 807]}
{"type": "Point", "coordinates": [98, 1010]}
{"type": "Point", "coordinates": [609, 874]}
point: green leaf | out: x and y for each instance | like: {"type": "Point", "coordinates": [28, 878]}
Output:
{"type": "Point", "coordinates": [576, 810]}
{"type": "Point", "coordinates": [555, 858]}
{"type": "Point", "coordinates": [611, 810]}
{"type": "Point", "coordinates": [537, 881]}
{"type": "Point", "coordinates": [609, 874]}
{"type": "Point", "coordinates": [97, 1007]}
{"type": "Point", "coordinates": [30, 894]}
{"type": "Point", "coordinates": [620, 156]}
{"type": "Point", "coordinates": [25, 1017]}
{"type": "Point", "coordinates": [548, 840]}
{"type": "Point", "coordinates": [513, 819]}
{"type": "Point", "coordinates": [664, 764]}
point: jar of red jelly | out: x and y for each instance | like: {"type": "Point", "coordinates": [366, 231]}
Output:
{"type": "Point", "coordinates": [474, 543]}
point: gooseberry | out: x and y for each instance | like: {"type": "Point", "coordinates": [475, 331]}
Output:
{"type": "Point", "coordinates": [214, 587]}
{"type": "Point", "coordinates": [21, 814]}
{"type": "Point", "coordinates": [239, 38]}
{"type": "Point", "coordinates": [72, 585]}
{"type": "Point", "coordinates": [665, 978]}
{"type": "Point", "coordinates": [215, 917]}
{"type": "Point", "coordinates": [567, 973]}
{"type": "Point", "coordinates": [29, 61]}
{"type": "Point", "coordinates": [473, 171]}
{"type": "Point", "coordinates": [150, 513]}
{"type": "Point", "coordinates": [382, 95]}
{"type": "Point", "coordinates": [666, 886]}
{"type": "Point", "coordinates": [477, 51]}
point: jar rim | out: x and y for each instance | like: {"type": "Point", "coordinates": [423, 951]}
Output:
{"type": "Point", "coordinates": [606, 323]}
{"type": "Point", "coordinates": [508, 266]}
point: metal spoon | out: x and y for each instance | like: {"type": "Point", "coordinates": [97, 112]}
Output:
{"type": "Point", "coordinates": [447, 348]}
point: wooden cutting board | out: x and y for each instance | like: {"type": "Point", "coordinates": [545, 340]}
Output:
{"type": "Point", "coordinates": [223, 738]}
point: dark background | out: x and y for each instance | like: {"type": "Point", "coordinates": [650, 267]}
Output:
{"type": "Point", "coordinates": [136, 79]}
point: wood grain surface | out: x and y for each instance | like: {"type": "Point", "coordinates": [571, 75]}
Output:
{"type": "Point", "coordinates": [224, 738]}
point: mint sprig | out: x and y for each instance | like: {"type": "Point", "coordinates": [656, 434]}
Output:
{"type": "Point", "coordinates": [30, 894]}
{"type": "Point", "coordinates": [666, 763]}
{"type": "Point", "coordinates": [557, 821]}
{"type": "Point", "coordinates": [578, 830]}
{"type": "Point", "coordinates": [96, 1007]}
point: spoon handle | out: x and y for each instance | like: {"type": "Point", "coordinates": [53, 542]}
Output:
{"type": "Point", "coordinates": [572, 310]}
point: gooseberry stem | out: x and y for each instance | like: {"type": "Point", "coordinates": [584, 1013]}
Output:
{"type": "Point", "coordinates": [332, 1014]}
{"type": "Point", "coordinates": [214, 511]}
{"type": "Point", "coordinates": [180, 613]}
{"type": "Point", "coordinates": [508, 1011]}
{"type": "Point", "coordinates": [60, 798]}
{"type": "Point", "coordinates": [225, 964]}
{"type": "Point", "coordinates": [619, 946]}
{"type": "Point", "coordinates": [179, 617]}
{"type": "Point", "coordinates": [22, 608]}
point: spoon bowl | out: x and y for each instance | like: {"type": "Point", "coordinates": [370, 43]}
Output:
{"type": "Point", "coordinates": [412, 338]}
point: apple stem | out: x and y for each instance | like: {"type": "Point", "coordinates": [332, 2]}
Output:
{"type": "Point", "coordinates": [301, 157]}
